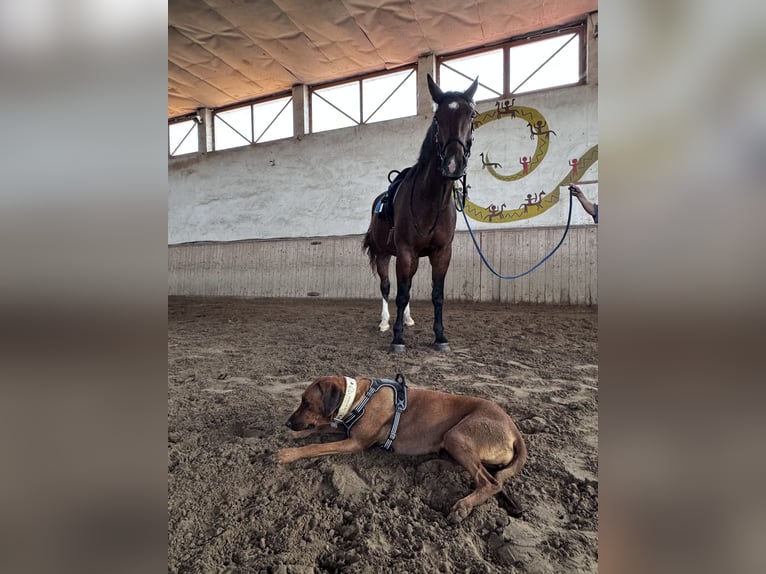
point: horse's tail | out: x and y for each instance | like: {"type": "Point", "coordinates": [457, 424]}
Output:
{"type": "Point", "coordinates": [369, 248]}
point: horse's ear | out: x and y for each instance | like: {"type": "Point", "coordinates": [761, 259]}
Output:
{"type": "Point", "coordinates": [469, 93]}
{"type": "Point", "coordinates": [436, 92]}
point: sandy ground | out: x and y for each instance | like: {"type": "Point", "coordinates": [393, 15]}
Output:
{"type": "Point", "coordinates": [236, 369]}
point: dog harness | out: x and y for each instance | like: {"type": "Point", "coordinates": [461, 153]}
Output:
{"type": "Point", "coordinates": [400, 404]}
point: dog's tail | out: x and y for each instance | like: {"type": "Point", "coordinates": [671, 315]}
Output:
{"type": "Point", "coordinates": [507, 499]}
{"type": "Point", "coordinates": [519, 458]}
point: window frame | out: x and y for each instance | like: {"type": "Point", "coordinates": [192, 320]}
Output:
{"type": "Point", "coordinates": [412, 68]}
{"type": "Point", "coordinates": [192, 117]}
{"type": "Point", "coordinates": [579, 28]}
{"type": "Point", "coordinates": [251, 104]}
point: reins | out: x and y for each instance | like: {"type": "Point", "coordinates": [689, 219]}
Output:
{"type": "Point", "coordinates": [461, 209]}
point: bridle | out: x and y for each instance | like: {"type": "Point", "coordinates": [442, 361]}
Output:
{"type": "Point", "coordinates": [440, 149]}
{"type": "Point", "coordinates": [440, 152]}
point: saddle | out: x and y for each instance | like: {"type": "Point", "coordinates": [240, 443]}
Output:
{"type": "Point", "coordinates": [384, 203]}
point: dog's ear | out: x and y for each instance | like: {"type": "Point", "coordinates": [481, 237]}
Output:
{"type": "Point", "coordinates": [331, 398]}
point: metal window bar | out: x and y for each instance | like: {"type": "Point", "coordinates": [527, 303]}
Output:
{"type": "Point", "coordinates": [183, 139]}
{"type": "Point", "coordinates": [287, 103]}
{"type": "Point", "coordinates": [317, 94]}
{"type": "Point", "coordinates": [470, 79]}
{"type": "Point", "coordinates": [564, 45]}
{"type": "Point", "coordinates": [388, 97]}
{"type": "Point", "coordinates": [235, 129]}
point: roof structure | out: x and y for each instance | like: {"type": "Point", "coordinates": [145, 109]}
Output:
{"type": "Point", "coordinates": [221, 52]}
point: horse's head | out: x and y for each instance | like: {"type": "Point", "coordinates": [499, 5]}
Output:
{"type": "Point", "coordinates": [453, 127]}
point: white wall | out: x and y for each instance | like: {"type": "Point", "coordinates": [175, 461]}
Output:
{"type": "Point", "coordinates": [324, 184]}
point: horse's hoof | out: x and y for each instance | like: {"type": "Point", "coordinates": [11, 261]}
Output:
{"type": "Point", "coordinates": [441, 346]}
{"type": "Point", "coordinates": [409, 322]}
{"type": "Point", "coordinates": [383, 328]}
{"type": "Point", "coordinates": [397, 348]}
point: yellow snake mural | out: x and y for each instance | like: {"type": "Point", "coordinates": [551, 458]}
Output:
{"type": "Point", "coordinates": [538, 127]}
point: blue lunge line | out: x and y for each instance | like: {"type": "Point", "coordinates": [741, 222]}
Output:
{"type": "Point", "coordinates": [543, 260]}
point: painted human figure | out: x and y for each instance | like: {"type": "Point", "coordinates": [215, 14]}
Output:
{"type": "Point", "coordinates": [506, 109]}
{"type": "Point", "coordinates": [540, 131]}
{"type": "Point", "coordinates": [573, 163]}
{"type": "Point", "coordinates": [524, 161]}
{"type": "Point", "coordinates": [536, 200]}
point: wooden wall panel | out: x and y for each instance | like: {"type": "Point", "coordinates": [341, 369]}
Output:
{"type": "Point", "coordinates": [335, 267]}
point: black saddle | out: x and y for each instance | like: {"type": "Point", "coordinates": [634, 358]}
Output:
{"type": "Point", "coordinates": [384, 203]}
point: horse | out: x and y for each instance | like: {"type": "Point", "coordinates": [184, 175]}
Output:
{"type": "Point", "coordinates": [423, 219]}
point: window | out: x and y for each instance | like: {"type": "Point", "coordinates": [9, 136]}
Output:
{"type": "Point", "coordinates": [182, 137]}
{"type": "Point", "coordinates": [335, 107]}
{"type": "Point", "coordinates": [457, 74]}
{"type": "Point", "coordinates": [233, 128]}
{"type": "Point", "coordinates": [389, 97]}
{"type": "Point", "coordinates": [260, 122]}
{"type": "Point", "coordinates": [273, 120]}
{"type": "Point", "coordinates": [364, 101]}
{"type": "Point", "coordinates": [545, 63]}
{"type": "Point", "coordinates": [519, 66]}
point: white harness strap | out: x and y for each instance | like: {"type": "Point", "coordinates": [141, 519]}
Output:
{"type": "Point", "coordinates": [348, 398]}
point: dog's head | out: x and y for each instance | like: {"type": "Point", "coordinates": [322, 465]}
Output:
{"type": "Point", "coordinates": [320, 401]}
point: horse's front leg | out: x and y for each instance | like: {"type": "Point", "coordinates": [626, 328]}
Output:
{"type": "Point", "coordinates": [439, 265]}
{"type": "Point", "coordinates": [406, 266]}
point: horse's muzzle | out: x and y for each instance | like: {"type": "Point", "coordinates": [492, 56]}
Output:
{"type": "Point", "coordinates": [453, 166]}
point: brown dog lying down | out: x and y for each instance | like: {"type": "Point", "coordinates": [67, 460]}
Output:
{"type": "Point", "coordinates": [474, 431]}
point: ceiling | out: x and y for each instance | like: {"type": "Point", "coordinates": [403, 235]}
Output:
{"type": "Point", "coordinates": [224, 51]}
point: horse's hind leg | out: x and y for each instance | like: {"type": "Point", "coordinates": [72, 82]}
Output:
{"type": "Point", "coordinates": [408, 320]}
{"type": "Point", "coordinates": [406, 266]}
{"type": "Point", "coordinates": [385, 289]}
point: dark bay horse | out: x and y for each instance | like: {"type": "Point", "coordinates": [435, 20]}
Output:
{"type": "Point", "coordinates": [423, 221]}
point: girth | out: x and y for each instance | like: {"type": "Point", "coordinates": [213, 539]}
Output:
{"type": "Point", "coordinates": [400, 404]}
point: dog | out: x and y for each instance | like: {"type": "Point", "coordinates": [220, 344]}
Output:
{"type": "Point", "coordinates": [475, 432]}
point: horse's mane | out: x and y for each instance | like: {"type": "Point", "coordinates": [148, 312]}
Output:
{"type": "Point", "coordinates": [427, 148]}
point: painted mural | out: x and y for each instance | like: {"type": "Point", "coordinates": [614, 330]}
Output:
{"type": "Point", "coordinates": [534, 203]}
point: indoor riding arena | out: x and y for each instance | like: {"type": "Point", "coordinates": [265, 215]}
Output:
{"type": "Point", "coordinates": [286, 120]}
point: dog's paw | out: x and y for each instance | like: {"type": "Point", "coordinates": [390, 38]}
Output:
{"type": "Point", "coordinates": [285, 455]}
{"type": "Point", "coordinates": [459, 513]}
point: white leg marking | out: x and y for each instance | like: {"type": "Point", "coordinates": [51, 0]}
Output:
{"type": "Point", "coordinates": [407, 317]}
{"type": "Point", "coordinates": [384, 316]}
